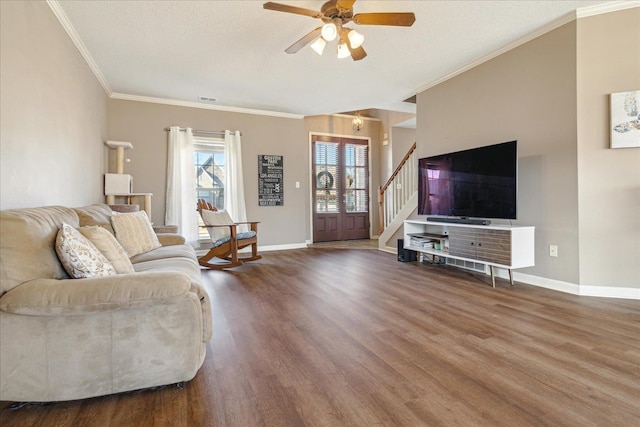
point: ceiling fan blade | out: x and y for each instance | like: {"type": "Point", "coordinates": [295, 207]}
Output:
{"type": "Point", "coordinates": [278, 7]}
{"type": "Point", "coordinates": [397, 19]}
{"type": "Point", "coordinates": [345, 5]}
{"type": "Point", "coordinates": [358, 53]}
{"type": "Point", "coordinates": [304, 41]}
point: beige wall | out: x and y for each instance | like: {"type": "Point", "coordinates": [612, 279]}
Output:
{"type": "Point", "coordinates": [609, 179]}
{"type": "Point", "coordinates": [53, 115]}
{"type": "Point", "coordinates": [527, 94]}
{"type": "Point", "coordinates": [388, 158]}
{"type": "Point", "coordinates": [143, 125]}
{"type": "Point", "coordinates": [342, 126]}
{"type": "Point", "coordinates": [403, 139]}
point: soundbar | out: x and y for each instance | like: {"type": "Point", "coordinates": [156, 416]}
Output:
{"type": "Point", "coordinates": [470, 221]}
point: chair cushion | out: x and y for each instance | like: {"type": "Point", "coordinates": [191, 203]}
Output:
{"type": "Point", "coordinates": [239, 237]}
{"type": "Point", "coordinates": [134, 232]}
{"type": "Point", "coordinates": [217, 218]}
{"type": "Point", "coordinates": [79, 257]}
{"type": "Point", "coordinates": [109, 246]}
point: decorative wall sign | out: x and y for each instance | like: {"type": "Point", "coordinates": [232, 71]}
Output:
{"type": "Point", "coordinates": [625, 119]}
{"type": "Point", "coordinates": [270, 180]}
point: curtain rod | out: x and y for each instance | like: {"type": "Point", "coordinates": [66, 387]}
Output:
{"type": "Point", "coordinates": [205, 132]}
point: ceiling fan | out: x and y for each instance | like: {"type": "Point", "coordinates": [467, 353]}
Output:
{"type": "Point", "coordinates": [335, 14]}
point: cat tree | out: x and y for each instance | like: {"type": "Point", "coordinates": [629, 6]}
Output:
{"type": "Point", "coordinates": [118, 185]}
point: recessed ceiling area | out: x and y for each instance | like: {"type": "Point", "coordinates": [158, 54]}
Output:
{"type": "Point", "coordinates": [234, 51]}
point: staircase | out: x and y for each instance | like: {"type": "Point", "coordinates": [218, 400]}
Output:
{"type": "Point", "coordinates": [397, 199]}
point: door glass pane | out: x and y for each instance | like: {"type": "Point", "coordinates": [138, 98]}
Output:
{"type": "Point", "coordinates": [327, 175]}
{"type": "Point", "coordinates": [357, 178]}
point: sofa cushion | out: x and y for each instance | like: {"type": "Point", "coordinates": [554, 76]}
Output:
{"type": "Point", "coordinates": [177, 264]}
{"type": "Point", "coordinates": [168, 239]}
{"type": "Point", "coordinates": [98, 214]}
{"type": "Point", "coordinates": [134, 232]}
{"type": "Point", "coordinates": [79, 256]}
{"type": "Point", "coordinates": [27, 244]}
{"type": "Point", "coordinates": [109, 246]}
{"type": "Point", "coordinates": [47, 297]}
{"type": "Point", "coordinates": [172, 251]}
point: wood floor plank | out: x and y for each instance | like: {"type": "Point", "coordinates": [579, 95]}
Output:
{"type": "Point", "coordinates": [348, 337]}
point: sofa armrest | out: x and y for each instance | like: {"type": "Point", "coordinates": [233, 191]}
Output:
{"type": "Point", "coordinates": [69, 297]}
{"type": "Point", "coordinates": [170, 239]}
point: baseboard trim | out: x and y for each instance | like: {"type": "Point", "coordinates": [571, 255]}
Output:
{"type": "Point", "coordinates": [610, 292]}
{"type": "Point", "coordinates": [572, 288]}
{"type": "Point", "coordinates": [559, 285]}
{"type": "Point", "coordinates": [282, 247]}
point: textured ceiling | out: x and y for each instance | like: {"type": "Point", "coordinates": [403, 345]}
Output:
{"type": "Point", "coordinates": [234, 50]}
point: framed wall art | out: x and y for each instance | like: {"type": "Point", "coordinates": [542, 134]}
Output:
{"type": "Point", "coordinates": [270, 180]}
{"type": "Point", "coordinates": [625, 119]}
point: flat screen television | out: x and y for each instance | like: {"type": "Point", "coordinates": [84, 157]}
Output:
{"type": "Point", "coordinates": [476, 183]}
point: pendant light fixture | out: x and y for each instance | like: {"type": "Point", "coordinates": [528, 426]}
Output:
{"type": "Point", "coordinates": [358, 123]}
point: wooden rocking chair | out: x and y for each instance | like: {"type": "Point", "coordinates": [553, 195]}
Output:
{"type": "Point", "coordinates": [226, 239]}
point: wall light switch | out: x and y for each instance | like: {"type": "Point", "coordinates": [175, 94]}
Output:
{"type": "Point", "coordinates": [553, 251]}
{"type": "Point", "coordinates": [297, 184]}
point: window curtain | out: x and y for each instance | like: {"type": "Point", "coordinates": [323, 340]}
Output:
{"type": "Point", "coordinates": [181, 202]}
{"type": "Point", "coordinates": [234, 183]}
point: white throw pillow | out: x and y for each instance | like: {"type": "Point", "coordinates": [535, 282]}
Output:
{"type": "Point", "coordinates": [79, 257]}
{"type": "Point", "coordinates": [134, 232]}
{"type": "Point", "coordinates": [110, 248]}
{"type": "Point", "coordinates": [217, 218]}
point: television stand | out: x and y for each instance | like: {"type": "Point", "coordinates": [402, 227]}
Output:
{"type": "Point", "coordinates": [501, 246]}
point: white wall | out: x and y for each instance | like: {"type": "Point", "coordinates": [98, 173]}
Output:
{"type": "Point", "coordinates": [53, 115]}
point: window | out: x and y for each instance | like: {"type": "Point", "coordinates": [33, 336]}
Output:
{"type": "Point", "coordinates": [209, 161]}
{"type": "Point", "coordinates": [357, 177]}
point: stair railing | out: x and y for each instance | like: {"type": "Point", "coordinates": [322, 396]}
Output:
{"type": "Point", "coordinates": [400, 186]}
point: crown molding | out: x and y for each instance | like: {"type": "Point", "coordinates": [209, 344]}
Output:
{"type": "Point", "coordinates": [351, 116]}
{"type": "Point", "coordinates": [565, 19]}
{"type": "Point", "coordinates": [599, 9]}
{"type": "Point", "coordinates": [139, 98]}
{"type": "Point", "coordinates": [75, 38]}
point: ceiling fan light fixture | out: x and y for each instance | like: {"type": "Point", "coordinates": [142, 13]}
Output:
{"type": "Point", "coordinates": [329, 31]}
{"type": "Point", "coordinates": [343, 50]}
{"type": "Point", "coordinates": [355, 38]}
{"type": "Point", "coordinates": [318, 45]}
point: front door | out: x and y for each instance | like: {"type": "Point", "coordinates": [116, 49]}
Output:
{"type": "Point", "coordinates": [340, 188]}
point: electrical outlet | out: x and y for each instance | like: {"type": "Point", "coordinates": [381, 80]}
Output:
{"type": "Point", "coordinates": [553, 251]}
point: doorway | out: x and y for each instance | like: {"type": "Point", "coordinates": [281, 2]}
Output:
{"type": "Point", "coordinates": [340, 188]}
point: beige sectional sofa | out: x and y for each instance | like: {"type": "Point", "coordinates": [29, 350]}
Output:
{"type": "Point", "coordinates": [65, 339]}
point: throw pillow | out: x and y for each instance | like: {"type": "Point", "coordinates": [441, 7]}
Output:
{"type": "Point", "coordinates": [79, 257]}
{"type": "Point", "coordinates": [134, 232]}
{"type": "Point", "coordinates": [110, 248]}
{"type": "Point", "coordinates": [217, 218]}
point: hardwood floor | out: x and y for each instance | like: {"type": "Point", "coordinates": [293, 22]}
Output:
{"type": "Point", "coordinates": [336, 337]}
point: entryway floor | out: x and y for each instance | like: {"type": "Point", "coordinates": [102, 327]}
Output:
{"type": "Point", "coordinates": [347, 244]}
